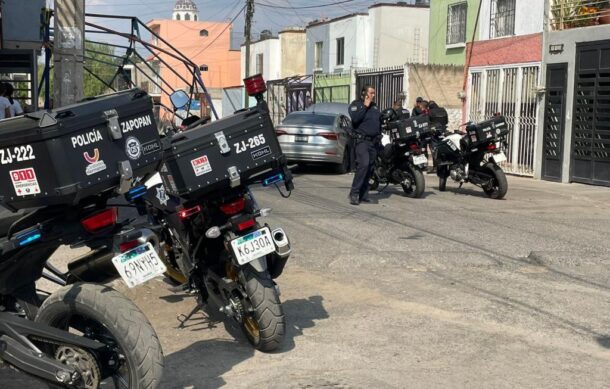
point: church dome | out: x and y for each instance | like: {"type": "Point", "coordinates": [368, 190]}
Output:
{"type": "Point", "coordinates": [185, 5]}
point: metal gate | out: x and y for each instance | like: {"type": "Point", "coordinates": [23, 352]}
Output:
{"type": "Point", "coordinates": [388, 84]}
{"type": "Point", "coordinates": [591, 117]}
{"type": "Point", "coordinates": [512, 92]}
{"type": "Point", "coordinates": [288, 95]}
{"type": "Point", "coordinates": [554, 124]}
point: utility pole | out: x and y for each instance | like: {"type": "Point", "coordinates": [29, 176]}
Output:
{"type": "Point", "coordinates": [68, 51]}
{"type": "Point", "coordinates": [247, 33]}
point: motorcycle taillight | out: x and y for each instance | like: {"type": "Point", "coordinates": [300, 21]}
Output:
{"type": "Point", "coordinates": [100, 220]}
{"type": "Point", "coordinates": [234, 207]}
{"type": "Point", "coordinates": [414, 147]}
{"type": "Point", "coordinates": [123, 247]}
{"type": "Point", "coordinates": [491, 147]}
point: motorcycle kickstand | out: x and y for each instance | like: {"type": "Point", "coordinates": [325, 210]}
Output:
{"type": "Point", "coordinates": [182, 318]}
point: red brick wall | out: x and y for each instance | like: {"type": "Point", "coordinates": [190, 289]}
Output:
{"type": "Point", "coordinates": [502, 51]}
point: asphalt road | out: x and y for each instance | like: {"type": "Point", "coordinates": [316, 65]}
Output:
{"type": "Point", "coordinates": [452, 290]}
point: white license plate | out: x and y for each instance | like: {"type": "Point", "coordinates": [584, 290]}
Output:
{"type": "Point", "coordinates": [139, 265]}
{"type": "Point", "coordinates": [419, 159]}
{"type": "Point", "coordinates": [300, 138]}
{"type": "Point", "coordinates": [252, 246]}
{"type": "Point", "coordinates": [500, 157]}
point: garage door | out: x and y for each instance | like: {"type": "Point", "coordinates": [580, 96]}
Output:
{"type": "Point", "coordinates": [591, 131]}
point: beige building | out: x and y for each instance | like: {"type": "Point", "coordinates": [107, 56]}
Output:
{"type": "Point", "coordinates": [277, 57]}
{"type": "Point", "coordinates": [292, 46]}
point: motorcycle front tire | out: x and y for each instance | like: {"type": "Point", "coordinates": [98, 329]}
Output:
{"type": "Point", "coordinates": [119, 317]}
{"type": "Point", "coordinates": [265, 325]}
{"type": "Point", "coordinates": [442, 179]}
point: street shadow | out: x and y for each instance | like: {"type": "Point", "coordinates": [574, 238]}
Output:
{"type": "Point", "coordinates": [395, 190]}
{"type": "Point", "coordinates": [604, 341]}
{"type": "Point", "coordinates": [325, 169]}
{"type": "Point", "coordinates": [300, 315]}
{"type": "Point", "coordinates": [477, 192]}
{"type": "Point", "coordinates": [175, 298]}
{"type": "Point", "coordinates": [202, 364]}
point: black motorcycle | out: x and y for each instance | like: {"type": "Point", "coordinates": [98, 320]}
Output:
{"type": "Point", "coordinates": [211, 239]}
{"type": "Point", "coordinates": [474, 157]}
{"type": "Point", "coordinates": [83, 335]}
{"type": "Point", "coordinates": [401, 159]}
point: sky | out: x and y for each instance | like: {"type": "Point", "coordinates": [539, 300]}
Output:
{"type": "Point", "coordinates": [272, 15]}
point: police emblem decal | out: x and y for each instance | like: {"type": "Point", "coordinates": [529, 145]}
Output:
{"type": "Point", "coordinates": [133, 148]}
{"type": "Point", "coordinates": [161, 195]}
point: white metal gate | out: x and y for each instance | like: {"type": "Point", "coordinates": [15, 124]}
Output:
{"type": "Point", "coordinates": [511, 91]}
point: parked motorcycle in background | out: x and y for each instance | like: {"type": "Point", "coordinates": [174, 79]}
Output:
{"type": "Point", "coordinates": [207, 219]}
{"type": "Point", "coordinates": [401, 159]}
{"type": "Point", "coordinates": [474, 157]}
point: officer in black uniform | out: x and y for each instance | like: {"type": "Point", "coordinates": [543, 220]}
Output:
{"type": "Point", "coordinates": [366, 120]}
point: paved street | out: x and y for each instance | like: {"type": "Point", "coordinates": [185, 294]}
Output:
{"type": "Point", "coordinates": [452, 290]}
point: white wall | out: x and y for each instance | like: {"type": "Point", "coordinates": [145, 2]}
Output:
{"type": "Point", "coordinates": [319, 33]}
{"type": "Point", "coordinates": [400, 35]}
{"type": "Point", "coordinates": [529, 17]}
{"type": "Point", "coordinates": [272, 58]}
{"type": "Point", "coordinates": [356, 34]}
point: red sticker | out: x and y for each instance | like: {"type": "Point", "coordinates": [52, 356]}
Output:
{"type": "Point", "coordinates": [25, 182]}
{"type": "Point", "coordinates": [201, 165]}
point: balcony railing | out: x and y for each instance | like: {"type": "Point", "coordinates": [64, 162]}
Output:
{"type": "Point", "coordinates": [567, 14]}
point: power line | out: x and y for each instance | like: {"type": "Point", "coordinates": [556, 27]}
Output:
{"type": "Point", "coordinates": [222, 32]}
{"type": "Point", "coordinates": [304, 7]}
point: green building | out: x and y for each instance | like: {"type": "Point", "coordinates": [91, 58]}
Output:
{"type": "Point", "coordinates": [451, 26]}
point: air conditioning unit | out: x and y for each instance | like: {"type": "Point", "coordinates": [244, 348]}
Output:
{"type": "Point", "coordinates": [21, 24]}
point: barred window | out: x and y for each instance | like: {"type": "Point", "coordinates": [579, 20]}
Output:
{"type": "Point", "coordinates": [456, 23]}
{"type": "Point", "coordinates": [502, 21]}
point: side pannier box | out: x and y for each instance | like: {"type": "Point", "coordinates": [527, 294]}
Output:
{"type": "Point", "coordinates": [65, 155]}
{"type": "Point", "coordinates": [408, 130]}
{"type": "Point", "coordinates": [487, 131]}
{"type": "Point", "coordinates": [226, 153]}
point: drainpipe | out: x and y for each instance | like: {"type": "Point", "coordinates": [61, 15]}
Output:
{"type": "Point", "coordinates": [468, 59]}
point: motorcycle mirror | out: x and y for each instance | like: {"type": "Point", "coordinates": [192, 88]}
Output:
{"type": "Point", "coordinates": [265, 212]}
{"type": "Point", "coordinates": [179, 99]}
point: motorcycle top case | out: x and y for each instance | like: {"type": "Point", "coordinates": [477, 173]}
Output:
{"type": "Point", "coordinates": [408, 130]}
{"type": "Point", "coordinates": [487, 131]}
{"type": "Point", "coordinates": [222, 154]}
{"type": "Point", "coordinates": [65, 155]}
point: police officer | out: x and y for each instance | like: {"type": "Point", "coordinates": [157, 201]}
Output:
{"type": "Point", "coordinates": [366, 120]}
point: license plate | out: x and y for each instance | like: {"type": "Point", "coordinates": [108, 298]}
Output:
{"type": "Point", "coordinates": [252, 246]}
{"type": "Point", "coordinates": [300, 138]}
{"type": "Point", "coordinates": [139, 265]}
{"type": "Point", "coordinates": [419, 160]}
{"type": "Point", "coordinates": [500, 157]}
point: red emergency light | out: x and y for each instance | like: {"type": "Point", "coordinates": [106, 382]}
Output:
{"type": "Point", "coordinates": [255, 85]}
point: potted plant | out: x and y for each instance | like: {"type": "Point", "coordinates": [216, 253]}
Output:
{"type": "Point", "coordinates": [604, 12]}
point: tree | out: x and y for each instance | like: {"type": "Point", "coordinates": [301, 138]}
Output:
{"type": "Point", "coordinates": [99, 64]}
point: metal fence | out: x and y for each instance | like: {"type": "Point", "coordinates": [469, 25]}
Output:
{"type": "Point", "coordinates": [512, 92]}
{"type": "Point", "coordinates": [288, 95]}
{"type": "Point", "coordinates": [567, 14]}
{"type": "Point", "coordinates": [388, 83]}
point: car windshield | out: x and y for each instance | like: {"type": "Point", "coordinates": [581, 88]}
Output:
{"type": "Point", "coordinates": [309, 120]}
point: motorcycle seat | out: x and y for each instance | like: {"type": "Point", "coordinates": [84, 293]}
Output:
{"type": "Point", "coordinates": [7, 218]}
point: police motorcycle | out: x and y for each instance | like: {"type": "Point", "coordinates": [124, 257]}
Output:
{"type": "Point", "coordinates": [61, 170]}
{"type": "Point", "coordinates": [474, 157]}
{"type": "Point", "coordinates": [401, 159]}
{"type": "Point", "coordinates": [207, 219]}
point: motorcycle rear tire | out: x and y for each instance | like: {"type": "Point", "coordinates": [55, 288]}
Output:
{"type": "Point", "coordinates": [267, 313]}
{"type": "Point", "coordinates": [120, 317]}
{"type": "Point", "coordinates": [374, 182]}
{"type": "Point", "coordinates": [418, 184]}
{"type": "Point", "coordinates": [500, 184]}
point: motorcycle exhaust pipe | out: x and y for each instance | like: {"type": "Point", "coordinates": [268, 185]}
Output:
{"type": "Point", "coordinates": [277, 260]}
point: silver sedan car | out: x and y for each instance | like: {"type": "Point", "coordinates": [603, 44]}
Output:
{"type": "Point", "coordinates": [316, 137]}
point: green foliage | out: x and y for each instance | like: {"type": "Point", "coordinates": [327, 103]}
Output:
{"type": "Point", "coordinates": [97, 62]}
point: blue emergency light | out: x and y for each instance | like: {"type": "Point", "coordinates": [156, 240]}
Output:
{"type": "Point", "coordinates": [136, 192]}
{"type": "Point", "coordinates": [273, 179]}
{"type": "Point", "coordinates": [28, 237]}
